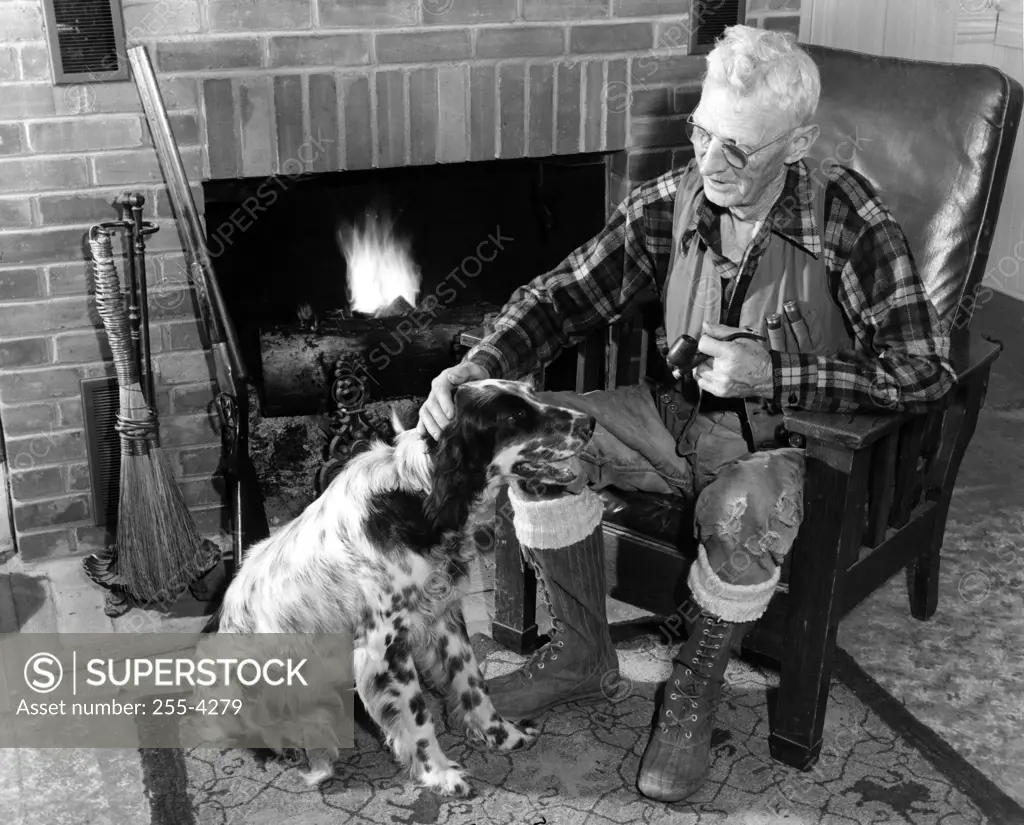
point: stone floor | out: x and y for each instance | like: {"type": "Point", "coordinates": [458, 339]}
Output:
{"type": "Point", "coordinates": [104, 787]}
{"type": "Point", "coordinates": [63, 786]}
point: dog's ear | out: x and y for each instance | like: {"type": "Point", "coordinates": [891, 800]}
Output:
{"type": "Point", "coordinates": [460, 458]}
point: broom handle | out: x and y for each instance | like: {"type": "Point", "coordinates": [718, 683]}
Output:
{"type": "Point", "coordinates": [212, 307]}
{"type": "Point", "coordinates": [137, 200]}
{"type": "Point", "coordinates": [110, 305]}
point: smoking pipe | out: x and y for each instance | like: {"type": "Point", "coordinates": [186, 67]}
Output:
{"type": "Point", "coordinates": [683, 354]}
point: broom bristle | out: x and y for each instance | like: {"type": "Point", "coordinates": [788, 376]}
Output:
{"type": "Point", "coordinates": [161, 551]}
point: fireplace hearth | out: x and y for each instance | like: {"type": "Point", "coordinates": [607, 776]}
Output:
{"type": "Point", "coordinates": [351, 291]}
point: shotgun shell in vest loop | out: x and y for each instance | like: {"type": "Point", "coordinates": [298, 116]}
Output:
{"type": "Point", "coordinates": [776, 334]}
{"type": "Point", "coordinates": [798, 325]}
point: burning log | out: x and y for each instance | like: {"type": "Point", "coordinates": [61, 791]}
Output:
{"type": "Point", "coordinates": [396, 357]}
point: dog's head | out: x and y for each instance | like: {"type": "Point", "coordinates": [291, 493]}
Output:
{"type": "Point", "coordinates": [502, 430]}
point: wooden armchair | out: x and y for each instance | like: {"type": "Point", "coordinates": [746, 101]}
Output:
{"type": "Point", "coordinates": [878, 486]}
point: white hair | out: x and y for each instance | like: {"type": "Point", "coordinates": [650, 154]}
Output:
{"type": "Point", "coordinates": [766, 64]}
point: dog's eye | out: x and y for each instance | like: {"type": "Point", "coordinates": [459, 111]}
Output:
{"type": "Point", "coordinates": [517, 416]}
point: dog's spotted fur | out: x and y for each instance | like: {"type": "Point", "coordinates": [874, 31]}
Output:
{"type": "Point", "coordinates": [380, 554]}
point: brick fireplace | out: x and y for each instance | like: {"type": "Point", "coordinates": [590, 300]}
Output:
{"type": "Point", "coordinates": [280, 90]}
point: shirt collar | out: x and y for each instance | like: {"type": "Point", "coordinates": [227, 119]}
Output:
{"type": "Point", "coordinates": [792, 216]}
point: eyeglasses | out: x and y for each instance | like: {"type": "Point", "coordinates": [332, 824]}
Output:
{"type": "Point", "coordinates": [736, 157]}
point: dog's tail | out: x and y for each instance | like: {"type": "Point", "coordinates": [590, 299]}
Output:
{"type": "Point", "coordinates": [396, 423]}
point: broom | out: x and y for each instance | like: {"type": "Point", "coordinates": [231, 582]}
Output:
{"type": "Point", "coordinates": [159, 550]}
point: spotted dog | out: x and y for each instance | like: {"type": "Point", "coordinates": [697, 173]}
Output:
{"type": "Point", "coordinates": [380, 554]}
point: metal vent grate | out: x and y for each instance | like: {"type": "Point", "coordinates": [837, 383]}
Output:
{"type": "Point", "coordinates": [100, 404]}
{"type": "Point", "coordinates": [712, 18]}
{"type": "Point", "coordinates": [86, 40]}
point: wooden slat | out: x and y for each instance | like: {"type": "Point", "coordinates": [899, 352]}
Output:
{"type": "Point", "coordinates": [645, 351]}
{"type": "Point", "coordinates": [1010, 26]}
{"type": "Point", "coordinates": [898, 549]}
{"type": "Point", "coordinates": [900, 29]}
{"type": "Point", "coordinates": [823, 23]}
{"type": "Point", "coordinates": [863, 25]}
{"type": "Point", "coordinates": [911, 437]}
{"type": "Point", "coordinates": [883, 475]}
{"type": "Point", "coordinates": [590, 363]}
{"type": "Point", "coordinates": [934, 29]}
{"type": "Point", "coordinates": [611, 356]}
{"type": "Point", "coordinates": [629, 353]}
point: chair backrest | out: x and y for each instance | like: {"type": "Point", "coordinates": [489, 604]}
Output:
{"type": "Point", "coordinates": [935, 140]}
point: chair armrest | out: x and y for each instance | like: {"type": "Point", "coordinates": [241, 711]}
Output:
{"type": "Point", "coordinates": [971, 355]}
{"type": "Point", "coordinates": [853, 430]}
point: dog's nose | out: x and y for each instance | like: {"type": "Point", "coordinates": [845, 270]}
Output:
{"type": "Point", "coordinates": [591, 423]}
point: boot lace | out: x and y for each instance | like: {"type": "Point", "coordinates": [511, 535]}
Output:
{"type": "Point", "coordinates": [550, 650]}
{"type": "Point", "coordinates": [540, 657]}
{"type": "Point", "coordinates": [692, 691]}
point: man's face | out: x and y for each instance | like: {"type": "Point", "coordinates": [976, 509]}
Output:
{"type": "Point", "coordinates": [750, 124]}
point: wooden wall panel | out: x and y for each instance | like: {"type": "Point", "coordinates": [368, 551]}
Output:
{"type": "Point", "coordinates": [957, 31]}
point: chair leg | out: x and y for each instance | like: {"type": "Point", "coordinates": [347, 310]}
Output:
{"type": "Point", "coordinates": [801, 704]}
{"type": "Point", "coordinates": [958, 426]}
{"type": "Point", "coordinates": [836, 483]}
{"type": "Point", "coordinates": [923, 582]}
{"type": "Point", "coordinates": [515, 587]}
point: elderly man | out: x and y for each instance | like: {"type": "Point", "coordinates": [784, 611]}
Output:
{"type": "Point", "coordinates": [725, 244]}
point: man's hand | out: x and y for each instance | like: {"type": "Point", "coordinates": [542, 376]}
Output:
{"type": "Point", "coordinates": [736, 369]}
{"type": "Point", "coordinates": [439, 408]}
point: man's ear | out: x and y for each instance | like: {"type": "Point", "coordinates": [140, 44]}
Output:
{"type": "Point", "coordinates": [801, 142]}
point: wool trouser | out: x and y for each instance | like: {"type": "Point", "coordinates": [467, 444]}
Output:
{"type": "Point", "coordinates": [747, 505]}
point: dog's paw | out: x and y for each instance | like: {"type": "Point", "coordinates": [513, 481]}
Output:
{"type": "Point", "coordinates": [321, 768]}
{"type": "Point", "coordinates": [506, 736]}
{"type": "Point", "coordinates": [448, 781]}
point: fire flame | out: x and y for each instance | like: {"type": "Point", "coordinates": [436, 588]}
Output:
{"type": "Point", "coordinates": [381, 270]}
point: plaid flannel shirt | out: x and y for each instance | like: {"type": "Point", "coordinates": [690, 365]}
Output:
{"type": "Point", "coordinates": [902, 358]}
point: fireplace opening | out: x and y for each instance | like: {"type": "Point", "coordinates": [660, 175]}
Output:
{"type": "Point", "coordinates": [349, 290]}
{"type": "Point", "coordinates": [474, 231]}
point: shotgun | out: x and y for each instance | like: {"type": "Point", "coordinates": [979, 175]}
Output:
{"type": "Point", "coordinates": [245, 500]}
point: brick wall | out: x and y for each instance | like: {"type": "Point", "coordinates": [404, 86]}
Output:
{"type": "Point", "coordinates": [275, 89]}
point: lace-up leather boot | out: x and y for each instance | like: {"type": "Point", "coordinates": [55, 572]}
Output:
{"type": "Point", "coordinates": [561, 538]}
{"type": "Point", "coordinates": [678, 754]}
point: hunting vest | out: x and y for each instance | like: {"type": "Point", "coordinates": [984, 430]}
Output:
{"type": "Point", "coordinates": [694, 292]}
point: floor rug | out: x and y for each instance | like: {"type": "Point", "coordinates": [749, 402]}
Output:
{"type": "Point", "coordinates": [582, 768]}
